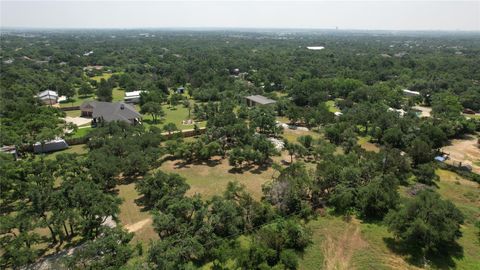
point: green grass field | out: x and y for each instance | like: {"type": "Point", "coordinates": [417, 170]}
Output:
{"type": "Point", "coordinates": [75, 113]}
{"type": "Point", "coordinates": [105, 76]}
{"type": "Point", "coordinates": [74, 149]}
{"type": "Point", "coordinates": [176, 116]}
{"type": "Point", "coordinates": [76, 101]}
{"type": "Point", "coordinates": [292, 135]}
{"type": "Point", "coordinates": [117, 94]}
{"type": "Point", "coordinates": [212, 178]}
{"type": "Point", "coordinates": [81, 132]}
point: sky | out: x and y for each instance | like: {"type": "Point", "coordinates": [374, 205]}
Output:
{"type": "Point", "coordinates": [354, 14]}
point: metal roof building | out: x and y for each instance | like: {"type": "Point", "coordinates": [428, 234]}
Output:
{"type": "Point", "coordinates": [255, 100]}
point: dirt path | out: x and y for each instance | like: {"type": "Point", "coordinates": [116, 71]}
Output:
{"type": "Point", "coordinates": [339, 249]}
{"type": "Point", "coordinates": [137, 225]}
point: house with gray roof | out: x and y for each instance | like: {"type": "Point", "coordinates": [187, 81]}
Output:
{"type": "Point", "coordinates": [258, 100]}
{"type": "Point", "coordinates": [107, 112]}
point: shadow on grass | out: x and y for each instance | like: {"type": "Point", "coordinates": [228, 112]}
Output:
{"type": "Point", "coordinates": [186, 164]}
{"type": "Point", "coordinates": [442, 258]}
{"type": "Point", "coordinates": [152, 123]}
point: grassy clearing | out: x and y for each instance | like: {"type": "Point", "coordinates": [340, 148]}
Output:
{"type": "Point", "coordinates": [118, 94]}
{"type": "Point", "coordinates": [75, 113]}
{"type": "Point", "coordinates": [365, 143]}
{"type": "Point", "coordinates": [76, 101]}
{"type": "Point", "coordinates": [105, 76]}
{"type": "Point", "coordinates": [292, 135]}
{"type": "Point", "coordinates": [338, 244]}
{"type": "Point", "coordinates": [172, 115]}
{"type": "Point", "coordinates": [331, 106]}
{"type": "Point", "coordinates": [465, 194]}
{"type": "Point", "coordinates": [212, 178]}
{"type": "Point", "coordinates": [133, 217]}
{"type": "Point", "coordinates": [81, 132]}
{"type": "Point", "coordinates": [74, 149]}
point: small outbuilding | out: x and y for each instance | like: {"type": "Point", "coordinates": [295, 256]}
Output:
{"type": "Point", "coordinates": [180, 90]}
{"type": "Point", "coordinates": [48, 97]}
{"type": "Point", "coordinates": [132, 97]}
{"type": "Point", "coordinates": [258, 100]}
{"type": "Point", "coordinates": [50, 146]}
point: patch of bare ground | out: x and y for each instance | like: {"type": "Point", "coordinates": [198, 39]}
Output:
{"type": "Point", "coordinates": [338, 249]}
{"type": "Point", "coordinates": [425, 111]}
{"type": "Point", "coordinates": [466, 151]}
{"type": "Point", "coordinates": [138, 225]}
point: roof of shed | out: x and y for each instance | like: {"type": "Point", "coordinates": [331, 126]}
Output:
{"type": "Point", "coordinates": [260, 99]}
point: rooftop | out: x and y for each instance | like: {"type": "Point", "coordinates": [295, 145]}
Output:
{"type": "Point", "coordinates": [117, 111]}
{"type": "Point", "coordinates": [260, 99]}
{"type": "Point", "coordinates": [133, 93]}
{"type": "Point", "coordinates": [47, 93]}
{"type": "Point", "coordinates": [406, 91]}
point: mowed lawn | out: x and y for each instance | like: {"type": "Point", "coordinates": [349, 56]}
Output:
{"type": "Point", "coordinates": [172, 115]}
{"type": "Point", "coordinates": [212, 178]}
{"type": "Point", "coordinates": [133, 217]}
{"type": "Point", "coordinates": [73, 149]}
{"type": "Point", "coordinates": [76, 101]}
{"type": "Point", "coordinates": [292, 135]}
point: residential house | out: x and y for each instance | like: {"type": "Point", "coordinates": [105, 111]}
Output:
{"type": "Point", "coordinates": [258, 100]}
{"type": "Point", "coordinates": [107, 112]}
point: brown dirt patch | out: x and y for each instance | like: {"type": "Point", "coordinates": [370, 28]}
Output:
{"type": "Point", "coordinates": [138, 225]}
{"type": "Point", "coordinates": [425, 111]}
{"type": "Point", "coordinates": [466, 151]}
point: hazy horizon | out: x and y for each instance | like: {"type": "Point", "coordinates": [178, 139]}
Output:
{"type": "Point", "coordinates": [213, 15]}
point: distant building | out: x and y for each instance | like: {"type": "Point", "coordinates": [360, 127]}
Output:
{"type": "Point", "coordinates": [48, 97]}
{"type": "Point", "coordinates": [258, 100]}
{"type": "Point", "coordinates": [180, 90]}
{"type": "Point", "coordinates": [108, 112]}
{"type": "Point", "coordinates": [410, 92]}
{"type": "Point", "coordinates": [132, 97]}
{"type": "Point", "coordinates": [50, 146]}
{"type": "Point", "coordinates": [10, 150]}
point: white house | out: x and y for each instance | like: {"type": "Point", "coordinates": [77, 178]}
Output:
{"type": "Point", "coordinates": [48, 97]}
